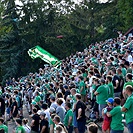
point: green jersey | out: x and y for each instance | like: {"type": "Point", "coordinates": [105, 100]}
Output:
{"type": "Point", "coordinates": [4, 127]}
{"type": "Point", "coordinates": [129, 106]}
{"type": "Point", "coordinates": [66, 119]}
{"type": "Point", "coordinates": [20, 129]}
{"type": "Point", "coordinates": [37, 99]}
{"type": "Point", "coordinates": [124, 71]}
{"type": "Point", "coordinates": [82, 86]}
{"type": "Point", "coordinates": [102, 96]}
{"type": "Point", "coordinates": [111, 90]}
{"type": "Point", "coordinates": [116, 123]}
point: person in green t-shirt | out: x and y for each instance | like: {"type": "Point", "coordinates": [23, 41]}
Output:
{"type": "Point", "coordinates": [52, 124]}
{"type": "Point", "coordinates": [68, 120]}
{"type": "Point", "coordinates": [82, 88]}
{"type": "Point", "coordinates": [110, 85]}
{"type": "Point", "coordinates": [101, 96]}
{"type": "Point", "coordinates": [19, 128]}
{"type": "Point", "coordinates": [2, 126]}
{"type": "Point", "coordinates": [128, 108]}
{"type": "Point", "coordinates": [129, 82]}
{"type": "Point", "coordinates": [37, 97]}
{"type": "Point", "coordinates": [116, 114]}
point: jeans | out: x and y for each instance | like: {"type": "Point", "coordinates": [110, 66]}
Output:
{"type": "Point", "coordinates": [116, 131]}
{"type": "Point", "coordinates": [74, 120]}
{"type": "Point", "coordinates": [81, 126]}
{"type": "Point", "coordinates": [130, 127]}
{"type": "Point", "coordinates": [101, 106]}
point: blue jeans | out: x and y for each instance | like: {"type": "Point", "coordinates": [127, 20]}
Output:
{"type": "Point", "coordinates": [100, 108]}
{"type": "Point", "coordinates": [130, 127]}
{"type": "Point", "coordinates": [116, 131]}
{"type": "Point", "coordinates": [74, 120]}
{"type": "Point", "coordinates": [81, 126]}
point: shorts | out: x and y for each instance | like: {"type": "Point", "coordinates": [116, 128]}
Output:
{"type": "Point", "coordinates": [106, 125]}
{"type": "Point", "coordinates": [8, 109]}
{"type": "Point", "coordinates": [74, 120]}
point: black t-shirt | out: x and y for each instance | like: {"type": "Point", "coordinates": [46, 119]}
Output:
{"type": "Point", "coordinates": [44, 123]}
{"type": "Point", "coordinates": [116, 77]}
{"type": "Point", "coordinates": [13, 105]}
{"type": "Point", "coordinates": [81, 105]}
{"type": "Point", "coordinates": [36, 119]}
{"type": "Point", "coordinates": [2, 103]}
{"type": "Point", "coordinates": [66, 94]}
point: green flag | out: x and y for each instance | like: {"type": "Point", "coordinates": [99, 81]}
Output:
{"type": "Point", "coordinates": [38, 52]}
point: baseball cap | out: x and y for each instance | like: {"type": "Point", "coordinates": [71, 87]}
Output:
{"type": "Point", "coordinates": [110, 100]}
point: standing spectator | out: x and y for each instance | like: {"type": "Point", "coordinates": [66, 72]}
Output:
{"type": "Point", "coordinates": [116, 83]}
{"type": "Point", "coordinates": [68, 118]}
{"type": "Point", "coordinates": [19, 128]}
{"type": "Point", "coordinates": [25, 125]}
{"type": "Point", "coordinates": [14, 108]}
{"type": "Point", "coordinates": [53, 102]}
{"type": "Point", "coordinates": [2, 106]}
{"type": "Point", "coordinates": [35, 121]}
{"type": "Point", "coordinates": [110, 85]}
{"type": "Point", "coordinates": [60, 111]}
{"type": "Point", "coordinates": [44, 124]}
{"type": "Point", "coordinates": [72, 99]}
{"type": "Point", "coordinates": [58, 123]}
{"type": "Point", "coordinates": [80, 114]}
{"type": "Point", "coordinates": [52, 125]}
{"type": "Point", "coordinates": [127, 65]}
{"type": "Point", "coordinates": [107, 120]}
{"type": "Point", "coordinates": [82, 88]}
{"type": "Point", "coordinates": [128, 108]}
{"type": "Point", "coordinates": [46, 111]}
{"type": "Point", "coordinates": [116, 114]}
{"type": "Point", "coordinates": [2, 126]}
{"type": "Point", "coordinates": [128, 82]}
{"type": "Point", "coordinates": [101, 96]}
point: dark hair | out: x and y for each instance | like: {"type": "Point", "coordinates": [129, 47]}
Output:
{"type": "Point", "coordinates": [129, 76]}
{"type": "Point", "coordinates": [68, 104]}
{"type": "Point", "coordinates": [19, 121]}
{"type": "Point", "coordinates": [44, 106]}
{"type": "Point", "coordinates": [78, 96]}
{"type": "Point", "coordinates": [93, 128]}
{"type": "Point", "coordinates": [102, 81]}
{"type": "Point", "coordinates": [127, 63]}
{"type": "Point", "coordinates": [117, 100]}
{"type": "Point", "coordinates": [109, 77]}
{"type": "Point", "coordinates": [34, 110]}
{"type": "Point", "coordinates": [59, 95]}
{"type": "Point", "coordinates": [57, 118]}
{"type": "Point", "coordinates": [59, 101]}
{"type": "Point", "coordinates": [2, 120]}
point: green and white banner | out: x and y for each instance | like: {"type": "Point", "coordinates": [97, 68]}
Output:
{"type": "Point", "coordinates": [38, 52]}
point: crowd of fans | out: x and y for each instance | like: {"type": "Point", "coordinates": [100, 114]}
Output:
{"type": "Point", "coordinates": [98, 80]}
